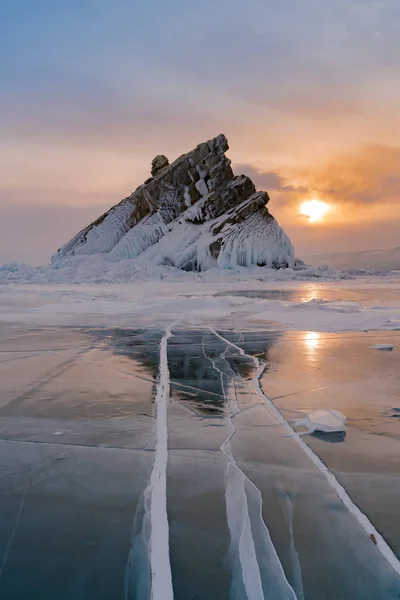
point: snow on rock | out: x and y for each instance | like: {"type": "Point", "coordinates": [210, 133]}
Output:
{"type": "Point", "coordinates": [193, 214]}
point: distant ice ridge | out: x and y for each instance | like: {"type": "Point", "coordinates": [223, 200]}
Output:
{"type": "Point", "coordinates": [367, 261]}
{"type": "Point", "coordinates": [193, 214]}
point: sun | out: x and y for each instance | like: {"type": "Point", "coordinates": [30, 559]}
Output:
{"type": "Point", "coordinates": [315, 210]}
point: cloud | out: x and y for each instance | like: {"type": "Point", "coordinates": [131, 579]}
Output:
{"type": "Point", "coordinates": [280, 190]}
{"type": "Point", "coordinates": [367, 177]}
{"type": "Point", "coordinates": [266, 180]}
{"type": "Point", "coordinates": [92, 75]}
{"type": "Point", "coordinates": [362, 187]}
{"type": "Point", "coordinates": [354, 236]}
{"type": "Point", "coordinates": [91, 92]}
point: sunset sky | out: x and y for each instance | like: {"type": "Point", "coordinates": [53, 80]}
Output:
{"type": "Point", "coordinates": [307, 92]}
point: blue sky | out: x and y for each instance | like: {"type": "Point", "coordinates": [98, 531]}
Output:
{"type": "Point", "coordinates": [305, 90]}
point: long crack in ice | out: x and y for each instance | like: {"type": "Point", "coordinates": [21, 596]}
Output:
{"type": "Point", "coordinates": [256, 569]}
{"type": "Point", "coordinates": [362, 519]}
{"type": "Point", "coordinates": [148, 573]}
{"type": "Point", "coordinates": [161, 578]}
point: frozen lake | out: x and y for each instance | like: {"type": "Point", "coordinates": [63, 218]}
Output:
{"type": "Point", "coordinates": [86, 375]}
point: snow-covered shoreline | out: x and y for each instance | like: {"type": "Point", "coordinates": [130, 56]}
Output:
{"type": "Point", "coordinates": [100, 269]}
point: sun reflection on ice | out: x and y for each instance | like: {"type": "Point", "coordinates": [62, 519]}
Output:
{"type": "Point", "coordinates": [311, 340]}
{"type": "Point", "coordinates": [311, 292]}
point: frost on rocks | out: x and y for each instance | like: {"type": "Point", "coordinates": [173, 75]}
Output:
{"type": "Point", "coordinates": [193, 214]}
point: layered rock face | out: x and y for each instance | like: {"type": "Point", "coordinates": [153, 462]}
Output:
{"type": "Point", "coordinates": [193, 214]}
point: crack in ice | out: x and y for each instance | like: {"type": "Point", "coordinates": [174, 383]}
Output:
{"type": "Point", "coordinates": [252, 551]}
{"type": "Point", "coordinates": [362, 519]}
{"type": "Point", "coordinates": [161, 577]}
{"type": "Point", "coordinates": [16, 524]}
{"type": "Point", "coordinates": [148, 572]}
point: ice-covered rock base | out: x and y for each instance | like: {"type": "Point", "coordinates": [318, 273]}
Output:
{"type": "Point", "coordinates": [193, 214]}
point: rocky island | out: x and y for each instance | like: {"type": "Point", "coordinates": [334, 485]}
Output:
{"type": "Point", "coordinates": [193, 214]}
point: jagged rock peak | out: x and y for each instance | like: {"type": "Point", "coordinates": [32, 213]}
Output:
{"type": "Point", "coordinates": [193, 214]}
{"type": "Point", "coordinates": [158, 163]}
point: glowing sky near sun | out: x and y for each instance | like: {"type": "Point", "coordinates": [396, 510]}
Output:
{"type": "Point", "coordinates": [314, 210]}
{"type": "Point", "coordinates": [306, 93]}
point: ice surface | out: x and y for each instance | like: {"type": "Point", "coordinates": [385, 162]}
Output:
{"type": "Point", "coordinates": [339, 306]}
{"type": "Point", "coordinates": [236, 477]}
{"type": "Point", "coordinates": [328, 421]}
{"type": "Point", "coordinates": [257, 571]}
{"type": "Point", "coordinates": [77, 492]}
{"type": "Point", "coordinates": [311, 371]}
{"type": "Point", "coordinates": [196, 300]}
{"type": "Point", "coordinates": [362, 519]}
{"type": "Point", "coordinates": [284, 524]}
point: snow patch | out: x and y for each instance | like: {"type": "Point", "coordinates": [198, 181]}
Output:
{"type": "Point", "coordinates": [328, 421]}
{"type": "Point", "coordinates": [387, 347]}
